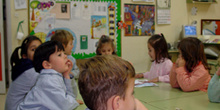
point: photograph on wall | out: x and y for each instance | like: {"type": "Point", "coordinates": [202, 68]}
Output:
{"type": "Point", "coordinates": [139, 20]}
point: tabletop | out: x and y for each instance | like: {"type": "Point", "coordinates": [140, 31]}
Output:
{"type": "Point", "coordinates": [164, 97]}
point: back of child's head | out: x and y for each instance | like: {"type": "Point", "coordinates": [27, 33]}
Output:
{"type": "Point", "coordinates": [62, 36]}
{"type": "Point", "coordinates": [102, 77]}
{"type": "Point", "coordinates": [158, 42]}
{"type": "Point", "coordinates": [105, 39]}
{"type": "Point", "coordinates": [192, 50]}
{"type": "Point", "coordinates": [24, 47]}
{"type": "Point", "coordinates": [43, 52]}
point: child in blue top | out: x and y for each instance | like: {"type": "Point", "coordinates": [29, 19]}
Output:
{"type": "Point", "coordinates": [23, 74]}
{"type": "Point", "coordinates": [52, 90]}
{"type": "Point", "coordinates": [214, 88]}
{"type": "Point", "coordinates": [66, 38]}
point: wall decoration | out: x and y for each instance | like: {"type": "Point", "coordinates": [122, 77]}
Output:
{"type": "Point", "coordinates": [139, 20]}
{"type": "Point", "coordinates": [86, 20]}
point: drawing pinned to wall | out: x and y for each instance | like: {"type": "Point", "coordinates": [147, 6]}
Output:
{"type": "Point", "coordinates": [62, 10]}
{"type": "Point", "coordinates": [20, 4]}
{"type": "Point", "coordinates": [139, 20]}
{"type": "Point", "coordinates": [98, 26]}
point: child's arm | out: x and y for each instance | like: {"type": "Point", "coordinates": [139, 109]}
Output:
{"type": "Point", "coordinates": [75, 69]}
{"type": "Point", "coordinates": [191, 81]}
{"type": "Point", "coordinates": [173, 80]}
{"type": "Point", "coordinates": [66, 74]}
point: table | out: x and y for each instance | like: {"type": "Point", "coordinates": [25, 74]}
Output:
{"type": "Point", "coordinates": [164, 97]}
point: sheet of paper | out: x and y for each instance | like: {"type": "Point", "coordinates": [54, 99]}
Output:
{"type": "Point", "coordinates": [163, 16]}
{"type": "Point", "coordinates": [20, 4]}
{"type": "Point", "coordinates": [143, 83]}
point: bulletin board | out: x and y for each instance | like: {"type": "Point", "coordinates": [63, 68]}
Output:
{"type": "Point", "coordinates": [86, 20]}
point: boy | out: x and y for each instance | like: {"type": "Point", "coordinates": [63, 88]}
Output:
{"type": "Point", "coordinates": [106, 82]}
{"type": "Point", "coordinates": [53, 87]}
{"type": "Point", "coordinates": [66, 38]}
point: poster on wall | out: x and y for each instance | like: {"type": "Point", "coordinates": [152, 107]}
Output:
{"type": "Point", "coordinates": [139, 20]}
{"type": "Point", "coordinates": [87, 21]}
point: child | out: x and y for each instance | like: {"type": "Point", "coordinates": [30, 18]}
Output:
{"type": "Point", "coordinates": [52, 90]}
{"type": "Point", "coordinates": [190, 73]}
{"type": "Point", "coordinates": [214, 88]}
{"type": "Point", "coordinates": [23, 74]}
{"type": "Point", "coordinates": [105, 46]}
{"type": "Point", "coordinates": [161, 66]}
{"type": "Point", "coordinates": [106, 82]}
{"type": "Point", "coordinates": [66, 38]}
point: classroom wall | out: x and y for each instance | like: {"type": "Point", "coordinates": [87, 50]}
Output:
{"type": "Point", "coordinates": [134, 48]}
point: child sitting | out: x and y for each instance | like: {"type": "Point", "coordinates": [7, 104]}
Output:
{"type": "Point", "coordinates": [52, 90]}
{"type": "Point", "coordinates": [190, 73]}
{"type": "Point", "coordinates": [214, 88]}
{"type": "Point", "coordinates": [106, 82]}
{"type": "Point", "coordinates": [105, 46]}
{"type": "Point", "coordinates": [161, 66]}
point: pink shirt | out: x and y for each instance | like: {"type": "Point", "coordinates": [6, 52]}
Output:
{"type": "Point", "coordinates": [160, 70]}
{"type": "Point", "coordinates": [198, 79]}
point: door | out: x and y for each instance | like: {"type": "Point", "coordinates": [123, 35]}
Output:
{"type": "Point", "coordinates": [2, 62]}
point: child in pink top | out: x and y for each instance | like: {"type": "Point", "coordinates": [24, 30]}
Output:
{"type": "Point", "coordinates": [161, 66]}
{"type": "Point", "coordinates": [190, 73]}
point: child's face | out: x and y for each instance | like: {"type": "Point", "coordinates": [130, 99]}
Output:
{"type": "Point", "coordinates": [106, 49]}
{"type": "Point", "coordinates": [68, 47]}
{"type": "Point", "coordinates": [151, 52]}
{"type": "Point", "coordinates": [58, 61]}
{"type": "Point", "coordinates": [129, 102]}
{"type": "Point", "coordinates": [31, 49]}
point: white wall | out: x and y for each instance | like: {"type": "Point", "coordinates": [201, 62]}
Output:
{"type": "Point", "coordinates": [134, 49]}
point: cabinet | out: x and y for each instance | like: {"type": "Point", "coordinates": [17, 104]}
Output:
{"type": "Point", "coordinates": [202, 1]}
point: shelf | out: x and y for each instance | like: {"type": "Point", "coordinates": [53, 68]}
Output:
{"type": "Point", "coordinates": [201, 2]}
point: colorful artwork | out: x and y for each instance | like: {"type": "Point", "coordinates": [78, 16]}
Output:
{"type": "Point", "coordinates": [139, 20]}
{"type": "Point", "coordinates": [98, 26]}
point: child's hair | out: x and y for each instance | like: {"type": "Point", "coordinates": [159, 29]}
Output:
{"type": "Point", "coordinates": [102, 77]}
{"type": "Point", "coordinates": [24, 46]}
{"type": "Point", "coordinates": [62, 36]}
{"type": "Point", "coordinates": [192, 52]}
{"type": "Point", "coordinates": [158, 42]}
{"type": "Point", "coordinates": [44, 51]}
{"type": "Point", "coordinates": [102, 40]}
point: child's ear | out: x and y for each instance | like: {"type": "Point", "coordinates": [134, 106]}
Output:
{"type": "Point", "coordinates": [46, 65]}
{"type": "Point", "coordinates": [116, 103]}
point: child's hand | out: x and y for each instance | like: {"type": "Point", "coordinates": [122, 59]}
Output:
{"type": "Point", "coordinates": [66, 73]}
{"type": "Point", "coordinates": [218, 72]}
{"type": "Point", "coordinates": [140, 75]}
{"type": "Point", "coordinates": [80, 102]}
{"type": "Point", "coordinates": [155, 80]}
{"type": "Point", "coordinates": [180, 62]}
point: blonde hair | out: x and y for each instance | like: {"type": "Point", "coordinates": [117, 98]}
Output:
{"type": "Point", "coordinates": [62, 36]}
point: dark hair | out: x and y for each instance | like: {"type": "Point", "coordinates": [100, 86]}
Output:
{"type": "Point", "coordinates": [102, 77]}
{"type": "Point", "coordinates": [62, 36]}
{"type": "Point", "coordinates": [192, 52]}
{"type": "Point", "coordinates": [158, 42]}
{"type": "Point", "coordinates": [44, 51]}
{"type": "Point", "coordinates": [102, 40]}
{"type": "Point", "coordinates": [15, 59]}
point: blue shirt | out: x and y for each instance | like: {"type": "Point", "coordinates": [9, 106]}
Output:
{"type": "Point", "coordinates": [214, 89]}
{"type": "Point", "coordinates": [51, 91]}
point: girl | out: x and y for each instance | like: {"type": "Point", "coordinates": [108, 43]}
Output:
{"type": "Point", "coordinates": [214, 88]}
{"type": "Point", "coordinates": [105, 46]}
{"type": "Point", "coordinates": [23, 74]}
{"type": "Point", "coordinates": [161, 66]}
{"type": "Point", "coordinates": [190, 73]}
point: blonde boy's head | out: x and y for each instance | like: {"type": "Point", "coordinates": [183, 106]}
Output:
{"type": "Point", "coordinates": [103, 77]}
{"type": "Point", "coordinates": [62, 36]}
